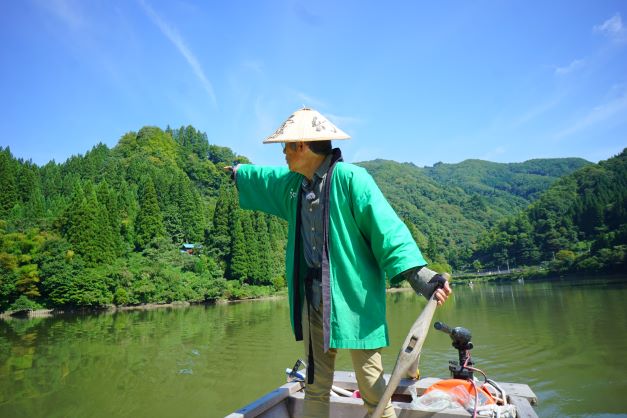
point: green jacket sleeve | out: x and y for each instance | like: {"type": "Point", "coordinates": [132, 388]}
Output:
{"type": "Point", "coordinates": [267, 189]}
{"type": "Point", "coordinates": [390, 240]}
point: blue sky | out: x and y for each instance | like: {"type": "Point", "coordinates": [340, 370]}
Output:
{"type": "Point", "coordinates": [411, 81]}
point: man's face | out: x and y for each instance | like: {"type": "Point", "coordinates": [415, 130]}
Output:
{"type": "Point", "coordinates": [293, 155]}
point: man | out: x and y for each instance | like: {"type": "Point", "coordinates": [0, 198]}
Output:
{"type": "Point", "coordinates": [343, 240]}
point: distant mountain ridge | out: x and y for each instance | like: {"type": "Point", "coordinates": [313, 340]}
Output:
{"type": "Point", "coordinates": [450, 205]}
{"type": "Point", "coordinates": [526, 180]}
{"type": "Point", "coordinates": [578, 225]}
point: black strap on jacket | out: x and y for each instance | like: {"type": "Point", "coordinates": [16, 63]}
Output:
{"type": "Point", "coordinates": [298, 313]}
{"type": "Point", "coordinates": [313, 276]}
{"type": "Point", "coordinates": [325, 266]}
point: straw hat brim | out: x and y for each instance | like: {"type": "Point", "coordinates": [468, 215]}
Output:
{"type": "Point", "coordinates": [306, 125]}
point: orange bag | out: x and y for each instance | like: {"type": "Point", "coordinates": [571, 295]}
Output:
{"type": "Point", "coordinates": [447, 385]}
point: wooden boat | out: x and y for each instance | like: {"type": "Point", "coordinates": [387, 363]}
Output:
{"type": "Point", "coordinates": [287, 401]}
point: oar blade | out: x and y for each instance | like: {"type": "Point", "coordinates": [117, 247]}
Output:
{"type": "Point", "coordinates": [409, 353]}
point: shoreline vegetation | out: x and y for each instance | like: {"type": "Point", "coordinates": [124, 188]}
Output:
{"type": "Point", "coordinates": [465, 279]}
{"type": "Point", "coordinates": [109, 309]}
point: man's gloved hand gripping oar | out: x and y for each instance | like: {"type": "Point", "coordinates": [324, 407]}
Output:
{"type": "Point", "coordinates": [439, 289]}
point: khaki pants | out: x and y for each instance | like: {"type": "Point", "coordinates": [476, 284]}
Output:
{"type": "Point", "coordinates": [367, 365]}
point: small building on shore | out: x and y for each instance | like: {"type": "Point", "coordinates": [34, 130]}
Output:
{"type": "Point", "coordinates": [190, 248]}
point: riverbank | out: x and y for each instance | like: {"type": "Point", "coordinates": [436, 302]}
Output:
{"type": "Point", "coordinates": [45, 313]}
{"type": "Point", "coordinates": [533, 275]}
{"type": "Point", "coordinates": [518, 276]}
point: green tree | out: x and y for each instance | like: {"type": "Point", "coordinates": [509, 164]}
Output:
{"type": "Point", "coordinates": [149, 222]}
{"type": "Point", "coordinates": [108, 200]}
{"type": "Point", "coordinates": [8, 186]}
{"type": "Point", "coordinates": [577, 224]}
{"type": "Point", "coordinates": [129, 207]}
{"type": "Point", "coordinates": [277, 230]}
{"type": "Point", "coordinates": [89, 230]}
{"type": "Point", "coordinates": [237, 263]}
{"type": "Point", "coordinates": [253, 257]}
{"type": "Point", "coordinates": [190, 207]}
{"type": "Point", "coordinates": [219, 240]}
{"type": "Point", "coordinates": [27, 280]}
{"type": "Point", "coordinates": [35, 208]}
{"type": "Point", "coordinates": [173, 223]}
{"type": "Point", "coordinates": [418, 236]}
{"type": "Point", "coordinates": [263, 272]}
{"type": "Point", "coordinates": [21, 275]}
{"type": "Point", "coordinates": [59, 265]}
{"type": "Point", "coordinates": [8, 266]}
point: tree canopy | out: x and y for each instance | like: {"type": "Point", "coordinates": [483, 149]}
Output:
{"type": "Point", "coordinates": [109, 227]}
{"type": "Point", "coordinates": [578, 224]}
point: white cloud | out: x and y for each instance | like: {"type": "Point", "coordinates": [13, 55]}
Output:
{"type": "Point", "coordinates": [615, 108]}
{"type": "Point", "coordinates": [573, 66]}
{"type": "Point", "coordinates": [500, 150]}
{"type": "Point", "coordinates": [267, 119]}
{"type": "Point", "coordinates": [309, 101]}
{"type": "Point", "coordinates": [612, 27]}
{"type": "Point", "coordinates": [67, 11]}
{"type": "Point", "coordinates": [174, 37]}
{"type": "Point", "coordinates": [343, 120]}
{"type": "Point", "coordinates": [363, 154]}
{"type": "Point", "coordinates": [255, 66]}
{"type": "Point", "coordinates": [536, 112]}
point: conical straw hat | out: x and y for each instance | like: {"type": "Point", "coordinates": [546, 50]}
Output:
{"type": "Point", "coordinates": [306, 125]}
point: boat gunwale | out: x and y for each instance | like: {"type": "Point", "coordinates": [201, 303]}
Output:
{"type": "Point", "coordinates": [519, 394]}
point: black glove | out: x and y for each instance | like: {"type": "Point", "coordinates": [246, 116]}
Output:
{"type": "Point", "coordinates": [438, 280]}
{"type": "Point", "coordinates": [425, 281]}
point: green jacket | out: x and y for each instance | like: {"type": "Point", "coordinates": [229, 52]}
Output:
{"type": "Point", "coordinates": [365, 238]}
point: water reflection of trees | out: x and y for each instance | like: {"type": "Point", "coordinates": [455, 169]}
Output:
{"type": "Point", "coordinates": [44, 355]}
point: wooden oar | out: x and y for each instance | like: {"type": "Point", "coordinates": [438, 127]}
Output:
{"type": "Point", "coordinates": [409, 353]}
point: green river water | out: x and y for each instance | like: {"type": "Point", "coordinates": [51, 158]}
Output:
{"type": "Point", "coordinates": [566, 339]}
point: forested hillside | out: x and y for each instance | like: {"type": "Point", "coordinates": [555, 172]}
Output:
{"type": "Point", "coordinates": [155, 219]}
{"type": "Point", "coordinates": [578, 224]}
{"type": "Point", "coordinates": [108, 227]}
{"type": "Point", "coordinates": [448, 206]}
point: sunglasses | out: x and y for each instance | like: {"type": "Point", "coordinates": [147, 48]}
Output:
{"type": "Point", "coordinates": [293, 145]}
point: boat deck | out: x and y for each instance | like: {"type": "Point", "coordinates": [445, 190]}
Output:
{"type": "Point", "coordinates": [287, 401]}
